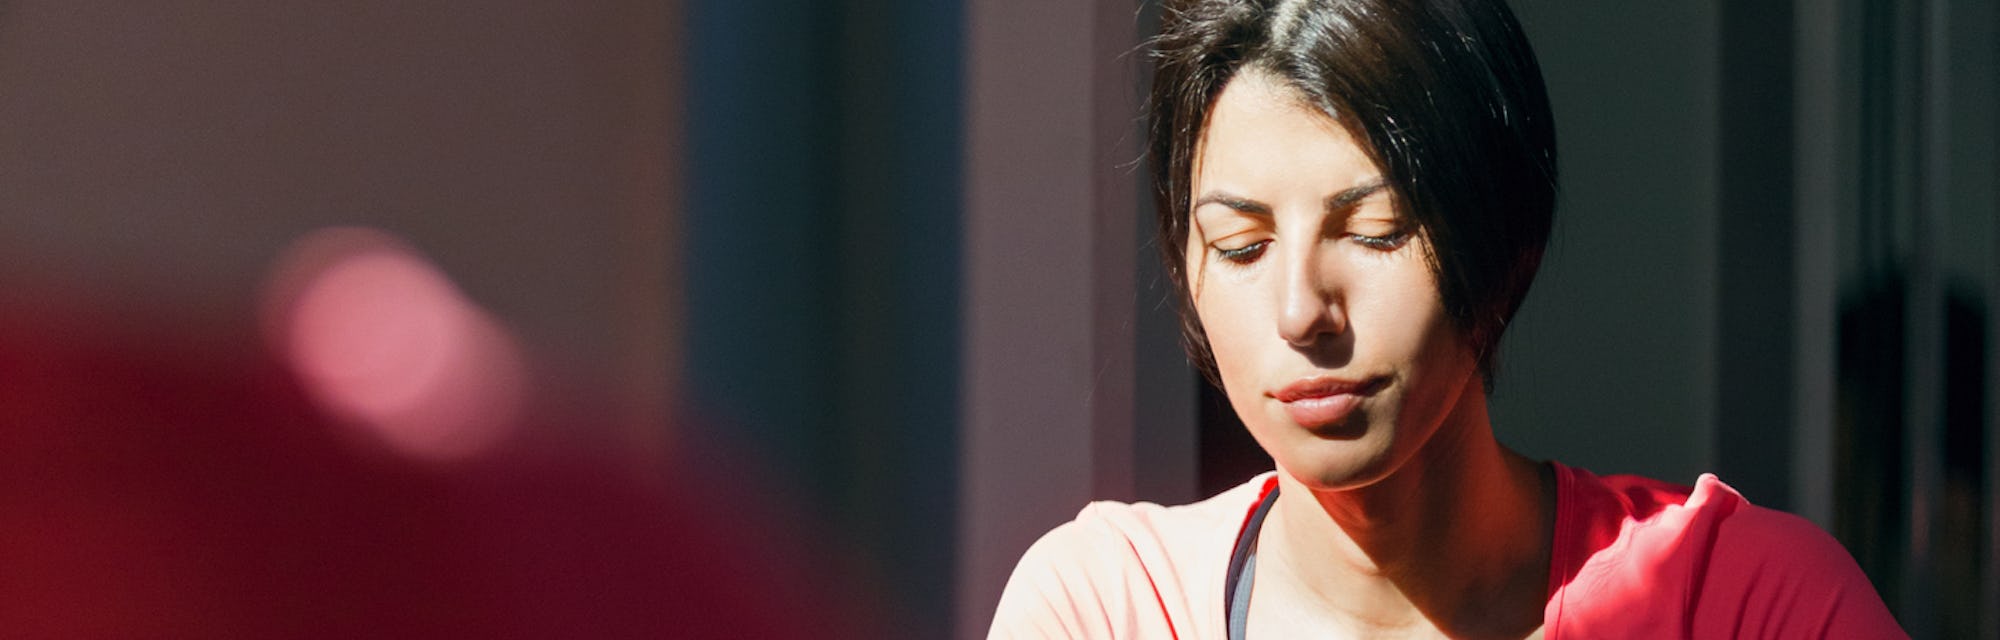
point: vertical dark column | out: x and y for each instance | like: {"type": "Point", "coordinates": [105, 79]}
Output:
{"type": "Point", "coordinates": [1755, 274]}
{"type": "Point", "coordinates": [1989, 606]}
{"type": "Point", "coordinates": [1870, 463]}
{"type": "Point", "coordinates": [898, 195]}
{"type": "Point", "coordinates": [823, 188]}
{"type": "Point", "coordinates": [762, 227]}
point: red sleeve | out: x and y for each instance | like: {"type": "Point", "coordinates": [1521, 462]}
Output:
{"type": "Point", "coordinates": [1641, 558]}
{"type": "Point", "coordinates": [1771, 574]}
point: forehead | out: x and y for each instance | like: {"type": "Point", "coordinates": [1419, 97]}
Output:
{"type": "Point", "coordinates": [1261, 132]}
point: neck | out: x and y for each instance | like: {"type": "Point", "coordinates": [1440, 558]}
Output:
{"type": "Point", "coordinates": [1457, 537]}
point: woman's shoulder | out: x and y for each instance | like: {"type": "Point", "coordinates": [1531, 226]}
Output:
{"type": "Point", "coordinates": [1125, 569]}
{"type": "Point", "coordinates": [1635, 515]}
{"type": "Point", "coordinates": [1178, 530]}
{"type": "Point", "coordinates": [1177, 525]}
{"type": "Point", "coordinates": [1644, 554]}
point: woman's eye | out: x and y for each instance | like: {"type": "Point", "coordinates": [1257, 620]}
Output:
{"type": "Point", "coordinates": [1386, 242]}
{"type": "Point", "coordinates": [1245, 254]}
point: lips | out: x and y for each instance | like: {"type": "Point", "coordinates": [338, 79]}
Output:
{"type": "Point", "coordinates": [1321, 401]}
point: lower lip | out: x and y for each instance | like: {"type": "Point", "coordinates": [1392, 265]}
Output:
{"type": "Point", "coordinates": [1313, 413]}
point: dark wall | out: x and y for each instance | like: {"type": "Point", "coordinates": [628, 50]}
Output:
{"type": "Point", "coordinates": [1609, 363]}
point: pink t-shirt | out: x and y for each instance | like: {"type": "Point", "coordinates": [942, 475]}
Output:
{"type": "Point", "coordinates": [1633, 557]}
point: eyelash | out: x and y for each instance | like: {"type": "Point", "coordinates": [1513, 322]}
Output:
{"type": "Point", "coordinates": [1249, 253]}
{"type": "Point", "coordinates": [1243, 255]}
{"type": "Point", "coordinates": [1390, 242]}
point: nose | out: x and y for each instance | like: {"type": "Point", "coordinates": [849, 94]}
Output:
{"type": "Point", "coordinates": [1312, 305]}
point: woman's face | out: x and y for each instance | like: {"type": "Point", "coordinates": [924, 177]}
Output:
{"type": "Point", "coordinates": [1316, 295]}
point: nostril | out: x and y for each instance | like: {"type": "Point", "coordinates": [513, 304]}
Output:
{"type": "Point", "coordinates": [1304, 324]}
{"type": "Point", "coordinates": [1307, 317]}
{"type": "Point", "coordinates": [1307, 321]}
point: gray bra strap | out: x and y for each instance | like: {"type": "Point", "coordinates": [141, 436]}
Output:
{"type": "Point", "coordinates": [1243, 568]}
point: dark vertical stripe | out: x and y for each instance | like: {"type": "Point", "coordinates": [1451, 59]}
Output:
{"type": "Point", "coordinates": [1754, 276]}
{"type": "Point", "coordinates": [759, 146]}
{"type": "Point", "coordinates": [823, 220]}
{"type": "Point", "coordinates": [899, 197]}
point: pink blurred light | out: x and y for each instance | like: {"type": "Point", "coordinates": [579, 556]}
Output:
{"type": "Point", "coordinates": [383, 340]}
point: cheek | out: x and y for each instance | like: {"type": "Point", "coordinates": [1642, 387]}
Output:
{"type": "Point", "coordinates": [1232, 323]}
{"type": "Point", "coordinates": [1396, 312]}
{"type": "Point", "coordinates": [1404, 322]}
{"type": "Point", "coordinates": [1232, 317]}
{"type": "Point", "coordinates": [1226, 317]}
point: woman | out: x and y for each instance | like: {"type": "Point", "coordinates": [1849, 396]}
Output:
{"type": "Point", "coordinates": [1353, 199]}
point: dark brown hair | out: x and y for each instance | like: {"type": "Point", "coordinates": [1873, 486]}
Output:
{"type": "Point", "coordinates": [1445, 97]}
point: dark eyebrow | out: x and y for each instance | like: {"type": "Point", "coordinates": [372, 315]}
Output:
{"type": "Point", "coordinates": [1351, 196]}
{"type": "Point", "coordinates": [1342, 201]}
{"type": "Point", "coordinates": [1233, 201]}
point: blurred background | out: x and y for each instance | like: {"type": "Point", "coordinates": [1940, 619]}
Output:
{"type": "Point", "coordinates": [709, 317]}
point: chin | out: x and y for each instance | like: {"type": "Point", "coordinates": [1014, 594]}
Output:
{"type": "Point", "coordinates": [1324, 464]}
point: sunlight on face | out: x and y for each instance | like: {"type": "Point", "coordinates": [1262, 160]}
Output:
{"type": "Point", "coordinates": [1319, 304]}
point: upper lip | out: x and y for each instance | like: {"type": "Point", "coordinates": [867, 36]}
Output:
{"type": "Point", "coordinates": [1323, 386]}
